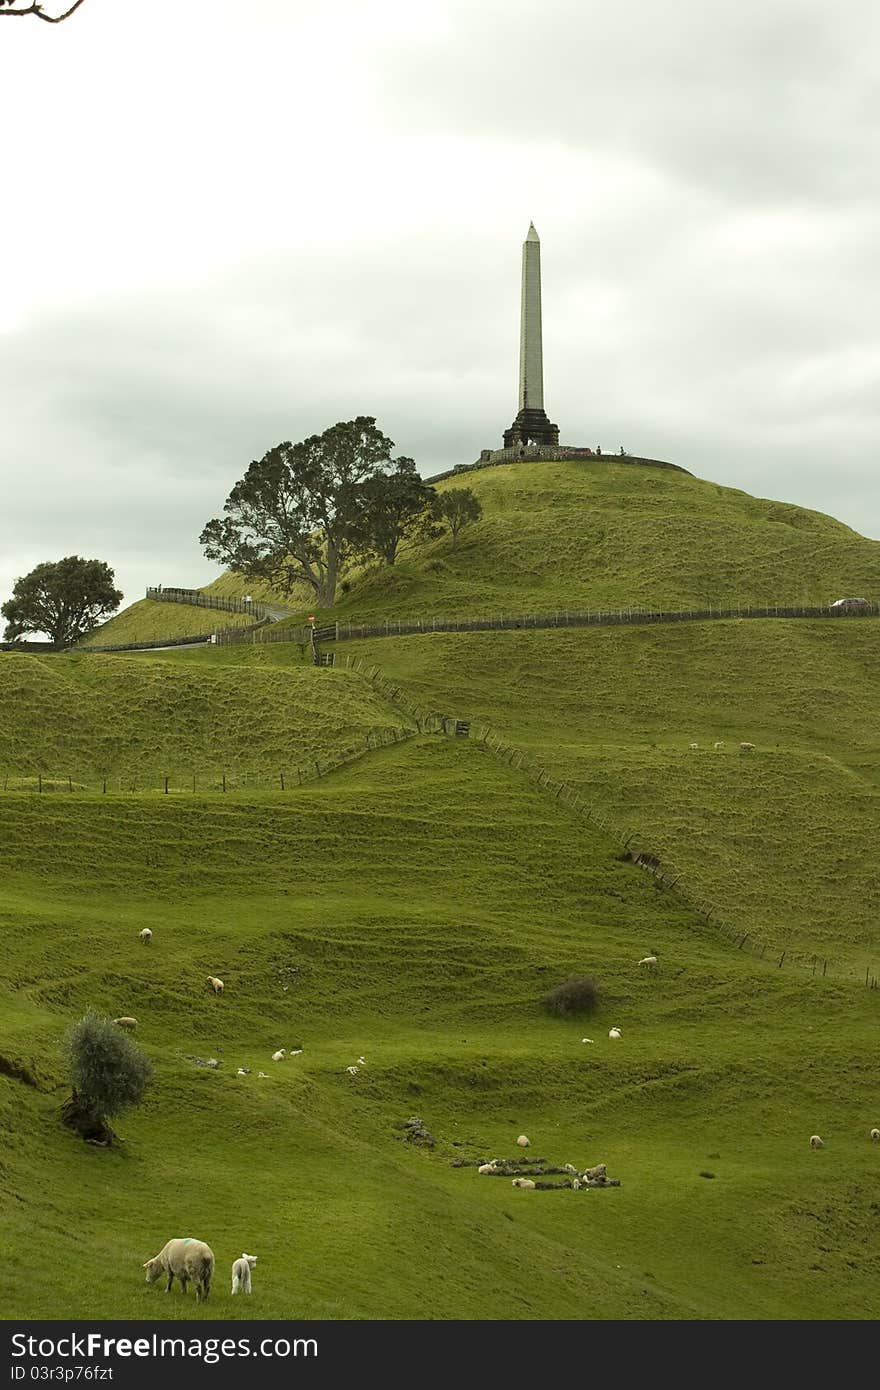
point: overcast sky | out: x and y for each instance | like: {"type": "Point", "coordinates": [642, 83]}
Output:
{"type": "Point", "coordinates": [228, 224]}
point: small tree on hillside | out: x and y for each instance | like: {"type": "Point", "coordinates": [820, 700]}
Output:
{"type": "Point", "coordinates": [397, 506]}
{"type": "Point", "coordinates": [65, 599]}
{"type": "Point", "coordinates": [108, 1071]}
{"type": "Point", "coordinates": [457, 508]}
{"type": "Point", "coordinates": [298, 513]}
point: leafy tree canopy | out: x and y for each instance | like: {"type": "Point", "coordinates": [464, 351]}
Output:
{"type": "Point", "coordinates": [108, 1070]}
{"type": "Point", "coordinates": [457, 508]}
{"type": "Point", "coordinates": [397, 507]}
{"type": "Point", "coordinates": [299, 512]}
{"type": "Point", "coordinates": [65, 599]}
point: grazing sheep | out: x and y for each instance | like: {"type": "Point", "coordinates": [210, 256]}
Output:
{"type": "Point", "coordinates": [615, 1033]}
{"type": "Point", "coordinates": [816, 1142]}
{"type": "Point", "coordinates": [523, 1182]}
{"type": "Point", "coordinates": [126, 1022]}
{"type": "Point", "coordinates": [649, 961]}
{"type": "Point", "coordinates": [489, 1167]}
{"type": "Point", "coordinates": [875, 1135]}
{"type": "Point", "coordinates": [146, 936]}
{"type": "Point", "coordinates": [352, 1071]}
{"type": "Point", "coordinates": [747, 748]}
{"type": "Point", "coordinates": [241, 1273]}
{"type": "Point", "coordinates": [523, 1141]}
{"type": "Point", "coordinates": [216, 985]}
{"type": "Point", "coordinates": [183, 1259]}
{"type": "Point", "coordinates": [279, 1055]}
{"type": "Point", "coordinates": [717, 745]}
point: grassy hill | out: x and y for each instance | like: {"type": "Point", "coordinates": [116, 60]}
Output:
{"type": "Point", "coordinates": [149, 621]}
{"type": "Point", "coordinates": [781, 840]}
{"type": "Point", "coordinates": [415, 906]}
{"type": "Point", "coordinates": [414, 909]}
{"type": "Point", "coordinates": [94, 716]}
{"type": "Point", "coordinates": [584, 535]}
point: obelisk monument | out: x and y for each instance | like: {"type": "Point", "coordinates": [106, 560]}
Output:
{"type": "Point", "coordinates": [531, 425]}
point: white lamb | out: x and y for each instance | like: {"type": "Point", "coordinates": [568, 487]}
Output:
{"type": "Point", "coordinates": [747, 748]}
{"type": "Point", "coordinates": [146, 936]}
{"type": "Point", "coordinates": [489, 1167]}
{"type": "Point", "coordinates": [875, 1135]}
{"type": "Point", "coordinates": [523, 1182]}
{"type": "Point", "coordinates": [523, 1141]}
{"type": "Point", "coordinates": [615, 1033]}
{"type": "Point", "coordinates": [695, 745]}
{"type": "Point", "coordinates": [649, 961]}
{"type": "Point", "coordinates": [241, 1273]}
{"type": "Point", "coordinates": [816, 1142]}
{"type": "Point", "coordinates": [216, 985]}
{"type": "Point", "coordinates": [279, 1055]}
{"type": "Point", "coordinates": [352, 1071]}
{"type": "Point", "coordinates": [717, 745]}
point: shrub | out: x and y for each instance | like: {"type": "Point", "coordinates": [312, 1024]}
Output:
{"type": "Point", "coordinates": [576, 996]}
{"type": "Point", "coordinates": [108, 1071]}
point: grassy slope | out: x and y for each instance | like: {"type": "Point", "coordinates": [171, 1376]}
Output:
{"type": "Point", "coordinates": [148, 621]}
{"type": "Point", "coordinates": [90, 716]}
{"type": "Point", "coordinates": [782, 840]}
{"type": "Point", "coordinates": [438, 988]}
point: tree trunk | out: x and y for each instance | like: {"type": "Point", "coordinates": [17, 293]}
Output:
{"type": "Point", "coordinates": [93, 1128]}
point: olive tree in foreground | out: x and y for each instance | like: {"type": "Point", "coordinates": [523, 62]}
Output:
{"type": "Point", "coordinates": [108, 1073]}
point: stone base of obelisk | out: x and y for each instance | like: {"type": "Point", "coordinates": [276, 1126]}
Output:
{"type": "Point", "coordinates": [531, 427]}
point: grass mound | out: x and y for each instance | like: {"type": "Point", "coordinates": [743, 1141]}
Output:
{"type": "Point", "coordinates": [149, 621]}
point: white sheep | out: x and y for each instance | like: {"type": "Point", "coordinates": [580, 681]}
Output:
{"type": "Point", "coordinates": [361, 1061]}
{"type": "Point", "coordinates": [717, 745]}
{"type": "Point", "coordinates": [694, 745]}
{"type": "Point", "coordinates": [126, 1022]}
{"type": "Point", "coordinates": [262, 1075]}
{"type": "Point", "coordinates": [216, 985]}
{"type": "Point", "coordinates": [352, 1071]}
{"type": "Point", "coordinates": [569, 1168]}
{"type": "Point", "coordinates": [583, 1040]}
{"type": "Point", "coordinates": [576, 1184]}
{"type": "Point", "coordinates": [243, 1071]}
{"type": "Point", "coordinates": [489, 1167]}
{"type": "Point", "coordinates": [816, 1142]}
{"type": "Point", "coordinates": [279, 1055]}
{"type": "Point", "coordinates": [614, 1033]}
{"type": "Point", "coordinates": [875, 1135]}
{"type": "Point", "coordinates": [295, 1052]}
{"type": "Point", "coordinates": [747, 748]}
{"type": "Point", "coordinates": [523, 1141]}
{"type": "Point", "coordinates": [183, 1259]}
{"type": "Point", "coordinates": [524, 1183]}
{"type": "Point", "coordinates": [146, 936]}
{"type": "Point", "coordinates": [241, 1273]}
{"type": "Point", "coordinates": [649, 961]}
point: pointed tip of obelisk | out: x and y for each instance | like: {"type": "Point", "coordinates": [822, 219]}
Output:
{"type": "Point", "coordinates": [532, 234]}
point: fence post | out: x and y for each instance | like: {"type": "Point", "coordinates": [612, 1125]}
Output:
{"type": "Point", "coordinates": [282, 781]}
{"type": "Point", "coordinates": [104, 788]}
{"type": "Point", "coordinates": [224, 781]}
{"type": "Point", "coordinates": [166, 786]}
{"type": "Point", "coordinates": [40, 784]}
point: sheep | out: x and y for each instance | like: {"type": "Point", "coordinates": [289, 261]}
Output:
{"type": "Point", "coordinates": [361, 1061]}
{"type": "Point", "coordinates": [183, 1259]}
{"type": "Point", "coordinates": [694, 745]}
{"type": "Point", "coordinates": [243, 1071]}
{"type": "Point", "coordinates": [279, 1055]}
{"type": "Point", "coordinates": [589, 1040]}
{"type": "Point", "coordinates": [126, 1022]}
{"type": "Point", "coordinates": [216, 985]}
{"type": "Point", "coordinates": [597, 1174]}
{"type": "Point", "coordinates": [747, 748]}
{"type": "Point", "coordinates": [615, 1033]}
{"type": "Point", "coordinates": [576, 1184]}
{"type": "Point", "coordinates": [241, 1273]}
{"type": "Point", "coordinates": [649, 961]}
{"type": "Point", "coordinates": [570, 1168]}
{"type": "Point", "coordinates": [489, 1167]}
{"type": "Point", "coordinates": [352, 1071]}
{"type": "Point", "coordinates": [295, 1052]}
{"type": "Point", "coordinates": [816, 1142]}
{"type": "Point", "coordinates": [717, 745]}
{"type": "Point", "coordinates": [524, 1183]}
{"type": "Point", "coordinates": [875, 1135]}
{"type": "Point", "coordinates": [262, 1076]}
{"type": "Point", "coordinates": [523, 1141]}
{"type": "Point", "coordinates": [146, 936]}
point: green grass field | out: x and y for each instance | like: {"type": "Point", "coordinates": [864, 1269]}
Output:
{"type": "Point", "coordinates": [150, 621]}
{"type": "Point", "coordinates": [414, 907]}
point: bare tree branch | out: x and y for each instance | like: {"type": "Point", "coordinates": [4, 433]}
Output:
{"type": "Point", "coordinates": [38, 11]}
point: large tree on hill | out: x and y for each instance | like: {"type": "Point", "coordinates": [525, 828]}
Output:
{"type": "Point", "coordinates": [457, 508]}
{"type": "Point", "coordinates": [66, 599]}
{"type": "Point", "coordinates": [13, 7]}
{"type": "Point", "coordinates": [396, 506]}
{"type": "Point", "coordinates": [299, 512]}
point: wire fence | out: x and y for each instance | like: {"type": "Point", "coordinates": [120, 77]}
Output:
{"type": "Point", "coordinates": [194, 598]}
{"type": "Point", "coordinates": [628, 839]}
{"type": "Point", "coordinates": [208, 779]}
